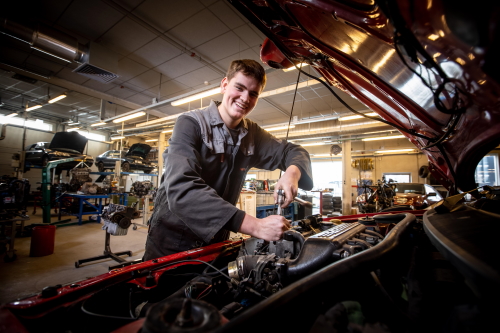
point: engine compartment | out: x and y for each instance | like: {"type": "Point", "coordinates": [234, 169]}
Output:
{"type": "Point", "coordinates": [378, 273]}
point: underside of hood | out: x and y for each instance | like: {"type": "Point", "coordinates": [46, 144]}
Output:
{"type": "Point", "coordinates": [139, 149]}
{"type": "Point", "coordinates": [426, 68]}
{"type": "Point", "coordinates": [68, 140]}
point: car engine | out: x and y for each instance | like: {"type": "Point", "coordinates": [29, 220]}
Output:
{"type": "Point", "coordinates": [371, 273]}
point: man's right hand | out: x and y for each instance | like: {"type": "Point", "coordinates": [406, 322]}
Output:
{"type": "Point", "coordinates": [270, 228]}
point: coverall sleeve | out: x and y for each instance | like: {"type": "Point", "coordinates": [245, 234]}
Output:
{"type": "Point", "coordinates": [273, 153]}
{"type": "Point", "coordinates": [192, 200]}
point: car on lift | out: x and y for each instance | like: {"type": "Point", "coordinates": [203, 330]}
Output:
{"type": "Point", "coordinates": [133, 159]}
{"type": "Point", "coordinates": [63, 145]}
{"type": "Point", "coordinates": [415, 195]}
{"type": "Point", "coordinates": [428, 68]}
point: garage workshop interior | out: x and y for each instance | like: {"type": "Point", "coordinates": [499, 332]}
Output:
{"type": "Point", "coordinates": [396, 103]}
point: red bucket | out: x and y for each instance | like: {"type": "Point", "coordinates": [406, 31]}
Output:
{"type": "Point", "coordinates": [42, 240]}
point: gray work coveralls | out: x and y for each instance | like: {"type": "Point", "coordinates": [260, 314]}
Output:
{"type": "Point", "coordinates": [204, 174]}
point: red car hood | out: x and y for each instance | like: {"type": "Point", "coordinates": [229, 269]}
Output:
{"type": "Point", "coordinates": [427, 67]}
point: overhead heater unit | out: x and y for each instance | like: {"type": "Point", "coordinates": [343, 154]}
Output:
{"type": "Point", "coordinates": [99, 63]}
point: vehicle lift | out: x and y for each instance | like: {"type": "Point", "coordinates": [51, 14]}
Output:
{"type": "Point", "coordinates": [46, 186]}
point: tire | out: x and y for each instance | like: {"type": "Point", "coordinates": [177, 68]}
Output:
{"type": "Point", "coordinates": [100, 167]}
{"type": "Point", "coordinates": [423, 172]}
{"type": "Point", "coordinates": [126, 167]}
{"type": "Point", "coordinates": [45, 161]}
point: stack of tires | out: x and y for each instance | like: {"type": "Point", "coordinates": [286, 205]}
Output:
{"type": "Point", "coordinates": [337, 204]}
{"type": "Point", "coordinates": [327, 203]}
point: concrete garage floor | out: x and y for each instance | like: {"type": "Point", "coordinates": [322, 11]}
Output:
{"type": "Point", "coordinates": [29, 275]}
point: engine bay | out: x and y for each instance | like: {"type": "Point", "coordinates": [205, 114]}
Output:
{"type": "Point", "coordinates": [377, 273]}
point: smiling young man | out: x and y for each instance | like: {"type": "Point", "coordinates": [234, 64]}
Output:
{"type": "Point", "coordinates": [209, 155]}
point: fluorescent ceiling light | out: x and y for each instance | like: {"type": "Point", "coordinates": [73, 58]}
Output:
{"type": "Point", "coordinates": [11, 115]}
{"type": "Point", "coordinates": [302, 64]}
{"type": "Point", "coordinates": [58, 98]}
{"type": "Point", "coordinates": [278, 128]}
{"type": "Point", "coordinates": [33, 107]}
{"type": "Point", "coordinates": [371, 114]}
{"type": "Point", "coordinates": [314, 144]}
{"type": "Point", "coordinates": [98, 124]}
{"type": "Point", "coordinates": [384, 138]}
{"type": "Point", "coordinates": [168, 131]}
{"type": "Point", "coordinates": [73, 129]}
{"type": "Point", "coordinates": [196, 96]}
{"type": "Point", "coordinates": [151, 140]}
{"type": "Point", "coordinates": [117, 137]}
{"type": "Point", "coordinates": [394, 151]}
{"type": "Point", "coordinates": [288, 88]}
{"type": "Point", "coordinates": [130, 116]}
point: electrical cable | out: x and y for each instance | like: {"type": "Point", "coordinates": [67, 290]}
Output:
{"type": "Point", "coordinates": [130, 304]}
{"type": "Point", "coordinates": [289, 122]}
{"type": "Point", "coordinates": [201, 294]}
{"type": "Point", "coordinates": [402, 129]}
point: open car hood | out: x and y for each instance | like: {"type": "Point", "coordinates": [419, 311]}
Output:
{"type": "Point", "coordinates": [428, 68]}
{"type": "Point", "coordinates": [139, 149]}
{"type": "Point", "coordinates": [68, 140]}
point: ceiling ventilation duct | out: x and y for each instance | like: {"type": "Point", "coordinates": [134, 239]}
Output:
{"type": "Point", "coordinates": [98, 64]}
{"type": "Point", "coordinates": [95, 61]}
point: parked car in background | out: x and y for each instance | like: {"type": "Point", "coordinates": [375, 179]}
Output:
{"type": "Point", "coordinates": [135, 159]}
{"type": "Point", "coordinates": [63, 145]}
{"type": "Point", "coordinates": [418, 196]}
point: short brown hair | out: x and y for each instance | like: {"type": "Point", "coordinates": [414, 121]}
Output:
{"type": "Point", "coordinates": [248, 67]}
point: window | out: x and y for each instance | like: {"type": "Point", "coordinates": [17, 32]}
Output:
{"type": "Point", "coordinates": [38, 123]}
{"type": "Point", "coordinates": [487, 171]}
{"type": "Point", "coordinates": [398, 177]}
{"type": "Point", "coordinates": [328, 175]}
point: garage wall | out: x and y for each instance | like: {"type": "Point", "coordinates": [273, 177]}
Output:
{"type": "Point", "coordinates": [13, 143]}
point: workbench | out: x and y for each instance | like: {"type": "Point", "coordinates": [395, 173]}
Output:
{"type": "Point", "coordinates": [83, 199]}
{"type": "Point", "coordinates": [10, 253]}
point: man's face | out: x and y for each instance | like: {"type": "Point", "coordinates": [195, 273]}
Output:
{"type": "Point", "coordinates": [240, 97]}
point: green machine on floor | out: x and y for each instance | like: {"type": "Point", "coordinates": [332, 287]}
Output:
{"type": "Point", "coordinates": [46, 186]}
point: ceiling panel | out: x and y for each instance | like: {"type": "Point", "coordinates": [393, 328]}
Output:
{"type": "Point", "coordinates": [146, 80]}
{"type": "Point", "coordinates": [128, 68]}
{"type": "Point", "coordinates": [126, 37]}
{"type": "Point", "coordinates": [140, 99]}
{"type": "Point", "coordinates": [221, 47]}
{"type": "Point", "coordinates": [89, 18]}
{"type": "Point", "coordinates": [168, 88]}
{"type": "Point", "coordinates": [93, 84]}
{"type": "Point", "coordinates": [155, 53]}
{"type": "Point", "coordinates": [50, 10]}
{"type": "Point", "coordinates": [47, 63]}
{"type": "Point", "coordinates": [178, 66]}
{"type": "Point", "coordinates": [164, 15]}
{"type": "Point", "coordinates": [121, 92]}
{"type": "Point", "coordinates": [199, 77]}
{"type": "Point", "coordinates": [69, 75]}
{"type": "Point", "coordinates": [199, 28]}
{"type": "Point", "coordinates": [223, 11]}
{"type": "Point", "coordinates": [249, 36]}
